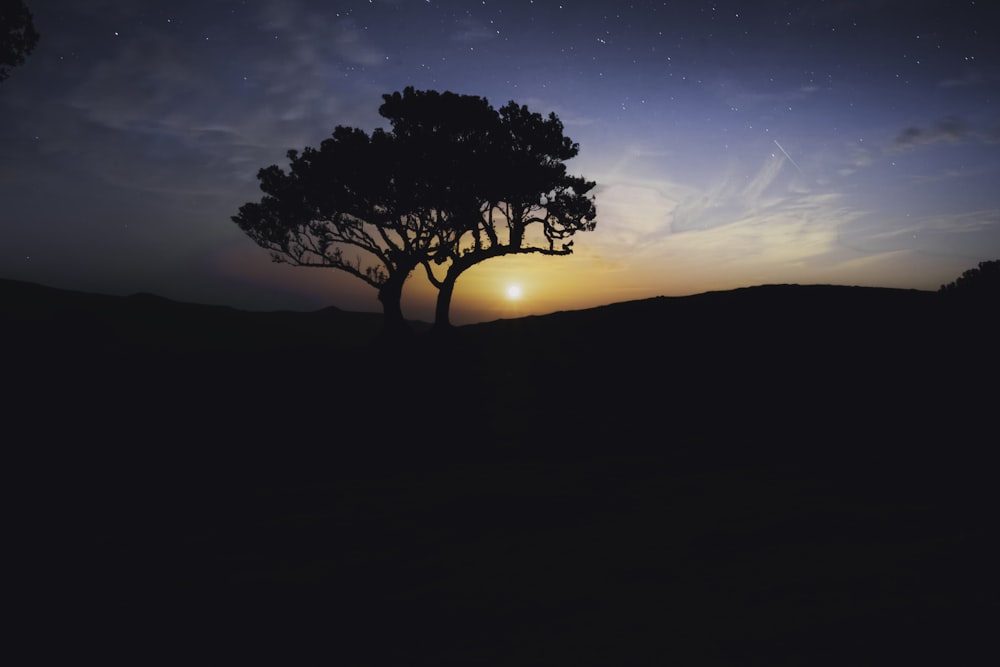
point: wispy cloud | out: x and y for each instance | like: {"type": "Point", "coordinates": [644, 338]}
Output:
{"type": "Point", "coordinates": [992, 134]}
{"type": "Point", "coordinates": [737, 94]}
{"type": "Point", "coordinates": [735, 196]}
{"type": "Point", "coordinates": [633, 214]}
{"type": "Point", "coordinates": [950, 130]}
{"type": "Point", "coordinates": [980, 76]}
{"type": "Point", "coordinates": [471, 30]}
{"type": "Point", "coordinates": [859, 156]}
{"type": "Point", "coordinates": [965, 223]}
{"type": "Point", "coordinates": [157, 105]}
{"type": "Point", "coordinates": [738, 225]}
{"type": "Point", "coordinates": [769, 224]}
{"type": "Point", "coordinates": [289, 20]}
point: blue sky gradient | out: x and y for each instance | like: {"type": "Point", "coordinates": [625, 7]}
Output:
{"type": "Point", "coordinates": [733, 143]}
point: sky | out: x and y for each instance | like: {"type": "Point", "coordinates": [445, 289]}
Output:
{"type": "Point", "coordinates": [853, 142]}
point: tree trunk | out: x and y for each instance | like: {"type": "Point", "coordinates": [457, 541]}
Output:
{"type": "Point", "coordinates": [391, 296]}
{"type": "Point", "coordinates": [441, 321]}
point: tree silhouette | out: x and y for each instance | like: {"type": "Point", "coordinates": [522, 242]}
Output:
{"type": "Point", "coordinates": [503, 178]}
{"type": "Point", "coordinates": [17, 35]}
{"type": "Point", "coordinates": [982, 281]}
{"type": "Point", "coordinates": [454, 183]}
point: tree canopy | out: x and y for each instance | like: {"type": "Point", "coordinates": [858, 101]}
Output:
{"type": "Point", "coordinates": [18, 37]}
{"type": "Point", "coordinates": [982, 281]}
{"type": "Point", "coordinates": [452, 183]}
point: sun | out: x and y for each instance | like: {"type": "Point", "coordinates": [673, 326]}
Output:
{"type": "Point", "coordinates": [514, 292]}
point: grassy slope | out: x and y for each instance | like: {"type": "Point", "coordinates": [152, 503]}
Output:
{"type": "Point", "coordinates": [775, 475]}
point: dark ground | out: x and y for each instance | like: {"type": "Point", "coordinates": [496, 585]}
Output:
{"type": "Point", "coordinates": [779, 475]}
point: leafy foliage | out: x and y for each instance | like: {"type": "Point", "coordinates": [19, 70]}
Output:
{"type": "Point", "coordinates": [18, 37]}
{"type": "Point", "coordinates": [453, 183]}
{"type": "Point", "coordinates": [982, 281]}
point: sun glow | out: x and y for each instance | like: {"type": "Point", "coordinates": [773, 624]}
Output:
{"type": "Point", "coordinates": [513, 292]}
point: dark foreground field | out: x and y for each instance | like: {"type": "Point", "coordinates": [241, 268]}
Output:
{"type": "Point", "coordinates": [779, 475]}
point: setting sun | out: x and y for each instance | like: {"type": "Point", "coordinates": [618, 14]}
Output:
{"type": "Point", "coordinates": [513, 292]}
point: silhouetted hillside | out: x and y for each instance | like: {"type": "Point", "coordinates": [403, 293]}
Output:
{"type": "Point", "coordinates": [735, 477]}
{"type": "Point", "coordinates": [781, 357]}
{"type": "Point", "coordinates": [146, 321]}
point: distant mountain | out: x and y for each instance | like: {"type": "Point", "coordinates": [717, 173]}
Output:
{"type": "Point", "coordinates": [780, 316]}
{"type": "Point", "coordinates": [790, 350]}
{"type": "Point", "coordinates": [70, 318]}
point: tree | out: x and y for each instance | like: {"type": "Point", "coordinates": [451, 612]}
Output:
{"type": "Point", "coordinates": [982, 281]}
{"type": "Point", "coordinates": [338, 199]}
{"type": "Point", "coordinates": [452, 184]}
{"type": "Point", "coordinates": [505, 177]}
{"type": "Point", "coordinates": [17, 35]}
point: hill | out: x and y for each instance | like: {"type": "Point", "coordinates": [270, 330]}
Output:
{"type": "Point", "coordinates": [78, 320]}
{"type": "Point", "coordinates": [777, 475]}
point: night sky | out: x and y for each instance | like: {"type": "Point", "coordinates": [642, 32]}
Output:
{"type": "Point", "coordinates": [734, 143]}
